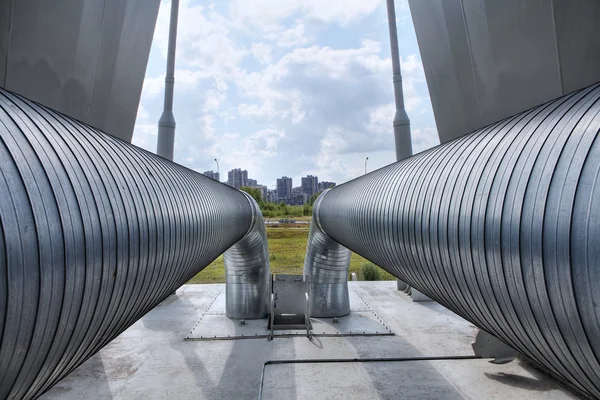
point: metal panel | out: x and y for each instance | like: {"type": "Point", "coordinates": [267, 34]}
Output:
{"type": "Point", "coordinates": [50, 44]}
{"type": "Point", "coordinates": [500, 226]}
{"type": "Point", "coordinates": [514, 55]}
{"type": "Point", "coordinates": [442, 38]}
{"type": "Point", "coordinates": [94, 232]}
{"type": "Point", "coordinates": [486, 60]}
{"type": "Point", "coordinates": [5, 13]}
{"type": "Point", "coordinates": [578, 40]}
{"type": "Point", "coordinates": [290, 291]}
{"type": "Point", "coordinates": [122, 59]}
{"type": "Point", "coordinates": [85, 58]}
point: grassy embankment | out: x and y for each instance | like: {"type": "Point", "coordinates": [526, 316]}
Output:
{"type": "Point", "coordinates": [287, 249]}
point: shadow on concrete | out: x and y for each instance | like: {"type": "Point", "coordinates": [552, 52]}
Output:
{"type": "Point", "coordinates": [541, 381]}
{"type": "Point", "coordinates": [74, 385]}
{"type": "Point", "coordinates": [403, 379]}
{"type": "Point", "coordinates": [519, 381]}
{"type": "Point", "coordinates": [243, 365]}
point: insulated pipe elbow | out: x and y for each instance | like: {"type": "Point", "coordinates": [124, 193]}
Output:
{"type": "Point", "coordinates": [247, 271]}
{"type": "Point", "coordinates": [326, 269]}
{"type": "Point", "coordinates": [501, 226]}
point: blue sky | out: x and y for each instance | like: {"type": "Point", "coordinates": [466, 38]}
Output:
{"type": "Point", "coordinates": [285, 87]}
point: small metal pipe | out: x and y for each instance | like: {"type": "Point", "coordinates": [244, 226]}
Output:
{"type": "Point", "coordinates": [166, 123]}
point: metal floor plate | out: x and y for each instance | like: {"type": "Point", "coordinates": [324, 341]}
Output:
{"type": "Point", "coordinates": [219, 327]}
{"type": "Point", "coordinates": [214, 325]}
{"type": "Point", "coordinates": [357, 303]}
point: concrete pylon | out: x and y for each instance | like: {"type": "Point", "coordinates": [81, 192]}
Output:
{"type": "Point", "coordinates": [401, 121]}
{"type": "Point", "coordinates": [166, 123]}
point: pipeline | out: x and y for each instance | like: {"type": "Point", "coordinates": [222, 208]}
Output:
{"type": "Point", "coordinates": [94, 233]}
{"type": "Point", "coordinates": [326, 270]}
{"type": "Point", "coordinates": [247, 271]}
{"type": "Point", "coordinates": [501, 226]}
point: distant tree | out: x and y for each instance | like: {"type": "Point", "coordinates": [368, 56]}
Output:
{"type": "Point", "coordinates": [255, 193]}
{"type": "Point", "coordinates": [370, 272]}
{"type": "Point", "coordinates": [307, 210]}
{"type": "Point", "coordinates": [313, 199]}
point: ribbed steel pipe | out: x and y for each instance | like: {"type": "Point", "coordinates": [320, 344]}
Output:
{"type": "Point", "coordinates": [94, 233]}
{"type": "Point", "coordinates": [247, 271]}
{"type": "Point", "coordinates": [502, 226]}
{"type": "Point", "coordinates": [326, 269]}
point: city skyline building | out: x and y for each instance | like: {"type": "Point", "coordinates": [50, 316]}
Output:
{"type": "Point", "coordinates": [284, 190]}
{"type": "Point", "coordinates": [272, 196]}
{"type": "Point", "coordinates": [284, 187]}
{"type": "Point", "coordinates": [322, 186]}
{"type": "Point", "coordinates": [310, 185]}
{"type": "Point", "coordinates": [213, 175]}
{"type": "Point", "coordinates": [237, 178]}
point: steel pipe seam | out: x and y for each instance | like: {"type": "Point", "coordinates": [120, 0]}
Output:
{"type": "Point", "coordinates": [501, 226]}
{"type": "Point", "coordinates": [247, 271]}
{"type": "Point", "coordinates": [94, 233]}
{"type": "Point", "coordinates": [326, 269]}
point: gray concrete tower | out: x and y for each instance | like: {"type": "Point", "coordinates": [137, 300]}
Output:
{"type": "Point", "coordinates": [401, 121]}
{"type": "Point", "coordinates": [166, 123]}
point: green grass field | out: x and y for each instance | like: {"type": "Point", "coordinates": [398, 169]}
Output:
{"type": "Point", "coordinates": [287, 249]}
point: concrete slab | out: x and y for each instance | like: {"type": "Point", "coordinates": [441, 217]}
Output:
{"type": "Point", "coordinates": [151, 360]}
{"type": "Point", "coordinates": [407, 380]}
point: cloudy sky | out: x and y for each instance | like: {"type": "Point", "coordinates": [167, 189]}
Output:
{"type": "Point", "coordinates": [285, 87]}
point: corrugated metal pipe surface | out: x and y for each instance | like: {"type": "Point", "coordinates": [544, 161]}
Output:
{"type": "Point", "coordinates": [326, 269]}
{"type": "Point", "coordinates": [502, 226]}
{"type": "Point", "coordinates": [247, 272]}
{"type": "Point", "coordinates": [94, 233]}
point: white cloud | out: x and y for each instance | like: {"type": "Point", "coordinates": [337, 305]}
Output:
{"type": "Point", "coordinates": [262, 52]}
{"type": "Point", "coordinates": [315, 102]}
{"type": "Point", "coordinates": [153, 86]}
{"type": "Point", "coordinates": [203, 40]}
{"type": "Point", "coordinates": [424, 138]}
{"type": "Point", "coordinates": [288, 37]}
{"type": "Point", "coordinates": [331, 90]}
{"type": "Point", "coordinates": [251, 153]}
{"type": "Point", "coordinates": [265, 14]}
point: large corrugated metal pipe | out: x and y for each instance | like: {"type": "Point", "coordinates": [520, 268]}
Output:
{"type": "Point", "coordinates": [326, 269]}
{"type": "Point", "coordinates": [94, 233]}
{"type": "Point", "coordinates": [502, 226]}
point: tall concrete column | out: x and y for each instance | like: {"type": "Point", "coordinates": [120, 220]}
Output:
{"type": "Point", "coordinates": [401, 121]}
{"type": "Point", "coordinates": [166, 123]}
